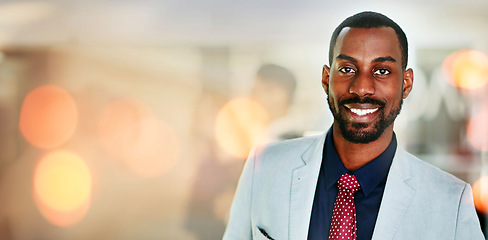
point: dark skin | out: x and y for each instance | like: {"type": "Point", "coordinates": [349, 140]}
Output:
{"type": "Point", "coordinates": [366, 63]}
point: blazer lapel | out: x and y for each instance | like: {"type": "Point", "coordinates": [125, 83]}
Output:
{"type": "Point", "coordinates": [302, 192]}
{"type": "Point", "coordinates": [397, 197]}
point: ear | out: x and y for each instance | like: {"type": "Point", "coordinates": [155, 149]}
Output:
{"type": "Point", "coordinates": [407, 82]}
{"type": "Point", "coordinates": [325, 77]}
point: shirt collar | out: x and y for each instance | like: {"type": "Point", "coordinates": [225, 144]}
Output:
{"type": "Point", "coordinates": [368, 176]}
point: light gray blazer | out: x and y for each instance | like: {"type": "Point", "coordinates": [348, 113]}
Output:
{"type": "Point", "coordinates": [277, 187]}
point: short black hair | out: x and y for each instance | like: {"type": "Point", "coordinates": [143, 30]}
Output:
{"type": "Point", "coordinates": [369, 20]}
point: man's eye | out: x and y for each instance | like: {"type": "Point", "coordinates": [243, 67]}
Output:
{"type": "Point", "coordinates": [382, 72]}
{"type": "Point", "coordinates": [347, 70]}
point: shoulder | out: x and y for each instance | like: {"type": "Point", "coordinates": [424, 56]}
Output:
{"type": "Point", "coordinates": [291, 146]}
{"type": "Point", "coordinates": [428, 175]}
{"type": "Point", "coordinates": [288, 154]}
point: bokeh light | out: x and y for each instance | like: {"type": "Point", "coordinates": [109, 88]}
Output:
{"type": "Point", "coordinates": [129, 131]}
{"type": "Point", "coordinates": [48, 117]}
{"type": "Point", "coordinates": [62, 187]}
{"type": "Point", "coordinates": [480, 194]}
{"type": "Point", "coordinates": [18, 13]}
{"type": "Point", "coordinates": [467, 69]}
{"type": "Point", "coordinates": [239, 125]}
{"type": "Point", "coordinates": [477, 130]}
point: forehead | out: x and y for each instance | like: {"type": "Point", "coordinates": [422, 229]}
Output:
{"type": "Point", "coordinates": [368, 43]}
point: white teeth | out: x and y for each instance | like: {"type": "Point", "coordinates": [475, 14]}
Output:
{"type": "Point", "coordinates": [362, 112]}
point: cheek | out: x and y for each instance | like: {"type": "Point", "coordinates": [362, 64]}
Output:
{"type": "Point", "coordinates": [391, 91]}
{"type": "Point", "coordinates": [394, 98]}
{"type": "Point", "coordinates": [336, 91]}
{"type": "Point", "coordinates": [332, 99]}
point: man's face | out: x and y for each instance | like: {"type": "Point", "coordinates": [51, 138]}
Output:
{"type": "Point", "coordinates": [366, 83]}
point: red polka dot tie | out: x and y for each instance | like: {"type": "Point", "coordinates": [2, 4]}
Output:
{"type": "Point", "coordinates": [343, 225]}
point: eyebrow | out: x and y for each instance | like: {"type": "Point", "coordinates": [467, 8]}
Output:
{"type": "Point", "coordinates": [384, 59]}
{"type": "Point", "coordinates": [345, 57]}
{"type": "Point", "coordinates": [376, 60]}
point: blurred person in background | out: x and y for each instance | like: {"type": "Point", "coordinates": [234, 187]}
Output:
{"type": "Point", "coordinates": [355, 181]}
{"type": "Point", "coordinates": [217, 173]}
{"type": "Point", "coordinates": [274, 88]}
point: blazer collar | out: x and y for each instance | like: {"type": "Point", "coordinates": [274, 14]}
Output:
{"type": "Point", "coordinates": [304, 182]}
{"type": "Point", "coordinates": [397, 196]}
{"type": "Point", "coordinates": [314, 152]}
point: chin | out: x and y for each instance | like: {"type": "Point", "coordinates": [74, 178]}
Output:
{"type": "Point", "coordinates": [360, 133]}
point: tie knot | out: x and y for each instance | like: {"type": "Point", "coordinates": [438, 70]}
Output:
{"type": "Point", "coordinates": [348, 181]}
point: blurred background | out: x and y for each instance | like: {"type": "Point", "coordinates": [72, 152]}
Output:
{"type": "Point", "coordinates": [133, 119]}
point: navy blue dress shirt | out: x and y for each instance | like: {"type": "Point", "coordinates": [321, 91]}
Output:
{"type": "Point", "coordinates": [371, 177]}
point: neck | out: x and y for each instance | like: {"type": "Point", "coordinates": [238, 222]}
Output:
{"type": "Point", "coordinates": [356, 155]}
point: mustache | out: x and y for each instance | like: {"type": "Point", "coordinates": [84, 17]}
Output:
{"type": "Point", "coordinates": [357, 99]}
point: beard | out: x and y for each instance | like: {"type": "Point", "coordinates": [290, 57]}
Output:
{"type": "Point", "coordinates": [358, 132]}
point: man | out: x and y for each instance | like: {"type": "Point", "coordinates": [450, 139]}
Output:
{"type": "Point", "coordinates": [355, 182]}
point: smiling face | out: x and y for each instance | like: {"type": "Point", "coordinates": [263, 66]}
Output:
{"type": "Point", "coordinates": [366, 83]}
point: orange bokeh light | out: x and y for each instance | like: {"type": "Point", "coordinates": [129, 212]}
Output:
{"type": "Point", "coordinates": [129, 131]}
{"type": "Point", "coordinates": [467, 69]}
{"type": "Point", "coordinates": [477, 130]}
{"type": "Point", "coordinates": [62, 188]}
{"type": "Point", "coordinates": [480, 194]}
{"type": "Point", "coordinates": [48, 117]}
{"type": "Point", "coordinates": [239, 125]}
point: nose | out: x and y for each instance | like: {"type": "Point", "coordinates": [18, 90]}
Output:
{"type": "Point", "coordinates": [362, 85]}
